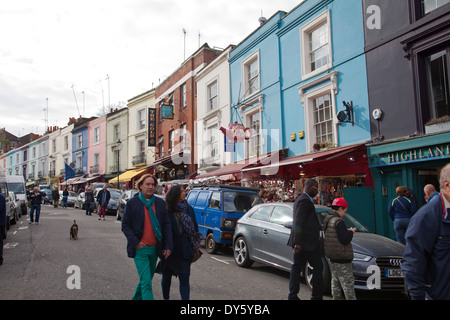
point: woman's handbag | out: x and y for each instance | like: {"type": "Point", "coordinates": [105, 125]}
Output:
{"type": "Point", "coordinates": [197, 255]}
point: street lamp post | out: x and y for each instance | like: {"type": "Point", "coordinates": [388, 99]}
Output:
{"type": "Point", "coordinates": [118, 147]}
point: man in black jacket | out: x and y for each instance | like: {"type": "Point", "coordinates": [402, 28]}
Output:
{"type": "Point", "coordinates": [304, 239]}
{"type": "Point", "coordinates": [36, 198]}
{"type": "Point", "coordinates": [103, 198]}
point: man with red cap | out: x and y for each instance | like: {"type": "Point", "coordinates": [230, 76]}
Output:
{"type": "Point", "coordinates": [338, 248]}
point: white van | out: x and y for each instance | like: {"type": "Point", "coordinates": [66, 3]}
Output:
{"type": "Point", "coordinates": [16, 184]}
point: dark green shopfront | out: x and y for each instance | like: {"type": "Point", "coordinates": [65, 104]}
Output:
{"type": "Point", "coordinates": [413, 162]}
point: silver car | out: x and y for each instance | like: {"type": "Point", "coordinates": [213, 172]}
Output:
{"type": "Point", "coordinates": [262, 235]}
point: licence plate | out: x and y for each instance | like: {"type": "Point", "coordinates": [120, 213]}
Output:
{"type": "Point", "coordinates": [394, 273]}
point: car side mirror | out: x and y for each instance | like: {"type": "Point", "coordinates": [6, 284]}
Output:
{"type": "Point", "coordinates": [288, 224]}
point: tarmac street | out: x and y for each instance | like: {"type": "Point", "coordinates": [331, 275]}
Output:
{"type": "Point", "coordinates": [41, 262]}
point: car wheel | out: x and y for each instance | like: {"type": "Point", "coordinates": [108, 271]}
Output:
{"type": "Point", "coordinates": [326, 275]}
{"type": "Point", "coordinates": [241, 254]}
{"type": "Point", "coordinates": [211, 244]}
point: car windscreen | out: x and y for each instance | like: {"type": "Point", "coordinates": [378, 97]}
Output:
{"type": "Point", "coordinates": [349, 220]}
{"type": "Point", "coordinates": [115, 194]}
{"type": "Point", "coordinates": [16, 187]}
{"type": "Point", "coordinates": [237, 201]}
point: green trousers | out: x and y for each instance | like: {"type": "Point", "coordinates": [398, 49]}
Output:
{"type": "Point", "coordinates": [145, 261]}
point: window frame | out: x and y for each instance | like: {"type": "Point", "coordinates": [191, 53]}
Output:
{"type": "Point", "coordinates": [183, 96]}
{"type": "Point", "coordinates": [309, 114]}
{"type": "Point", "coordinates": [211, 98]}
{"type": "Point", "coordinates": [305, 32]}
{"type": "Point", "coordinates": [246, 63]}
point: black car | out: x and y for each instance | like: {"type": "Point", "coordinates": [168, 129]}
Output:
{"type": "Point", "coordinates": [262, 235]}
{"type": "Point", "coordinates": [127, 195]}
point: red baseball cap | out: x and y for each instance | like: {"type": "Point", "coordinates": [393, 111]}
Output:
{"type": "Point", "coordinates": [339, 202]}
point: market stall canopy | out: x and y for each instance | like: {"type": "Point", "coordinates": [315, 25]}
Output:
{"type": "Point", "coordinates": [127, 175]}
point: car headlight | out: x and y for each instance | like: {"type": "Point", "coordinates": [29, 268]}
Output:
{"type": "Point", "coordinates": [361, 257]}
{"type": "Point", "coordinates": [229, 224]}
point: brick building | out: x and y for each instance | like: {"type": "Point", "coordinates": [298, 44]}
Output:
{"type": "Point", "coordinates": [176, 112]}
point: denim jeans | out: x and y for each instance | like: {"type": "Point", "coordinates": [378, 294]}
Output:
{"type": "Point", "coordinates": [400, 227]}
{"type": "Point", "coordinates": [36, 208]}
{"type": "Point", "coordinates": [88, 206]}
{"type": "Point", "coordinates": [145, 261]}
{"type": "Point", "coordinates": [183, 275]}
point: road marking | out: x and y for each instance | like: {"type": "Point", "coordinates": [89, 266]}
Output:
{"type": "Point", "coordinates": [219, 260]}
{"type": "Point", "coordinates": [10, 245]}
{"type": "Point", "coordinates": [23, 228]}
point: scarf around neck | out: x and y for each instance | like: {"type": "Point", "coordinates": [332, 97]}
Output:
{"type": "Point", "coordinates": [188, 226]}
{"type": "Point", "coordinates": [155, 223]}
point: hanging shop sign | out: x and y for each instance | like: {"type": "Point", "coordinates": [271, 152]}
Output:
{"type": "Point", "coordinates": [152, 127]}
{"type": "Point", "coordinates": [167, 111]}
{"type": "Point", "coordinates": [436, 152]}
{"type": "Point", "coordinates": [236, 133]}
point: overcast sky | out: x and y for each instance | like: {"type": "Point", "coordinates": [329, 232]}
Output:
{"type": "Point", "coordinates": [57, 49]}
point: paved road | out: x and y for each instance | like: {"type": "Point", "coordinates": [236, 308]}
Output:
{"type": "Point", "coordinates": [38, 258]}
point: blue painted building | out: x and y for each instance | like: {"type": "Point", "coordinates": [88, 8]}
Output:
{"type": "Point", "coordinates": [299, 83]}
{"type": "Point", "coordinates": [255, 90]}
{"type": "Point", "coordinates": [80, 145]}
{"type": "Point", "coordinates": [322, 65]}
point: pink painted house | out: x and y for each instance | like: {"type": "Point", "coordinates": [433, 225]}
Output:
{"type": "Point", "coordinates": [97, 148]}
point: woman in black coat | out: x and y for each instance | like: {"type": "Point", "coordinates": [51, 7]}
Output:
{"type": "Point", "coordinates": [186, 243]}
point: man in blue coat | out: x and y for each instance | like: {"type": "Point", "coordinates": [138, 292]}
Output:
{"type": "Point", "coordinates": [427, 255]}
{"type": "Point", "coordinates": [148, 230]}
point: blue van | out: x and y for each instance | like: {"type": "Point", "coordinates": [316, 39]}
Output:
{"type": "Point", "coordinates": [217, 210]}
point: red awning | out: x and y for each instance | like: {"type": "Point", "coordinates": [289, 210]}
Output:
{"type": "Point", "coordinates": [316, 156]}
{"type": "Point", "coordinates": [228, 169]}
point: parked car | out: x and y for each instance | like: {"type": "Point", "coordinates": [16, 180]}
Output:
{"type": "Point", "coordinates": [15, 212]}
{"type": "Point", "coordinates": [79, 201]}
{"type": "Point", "coordinates": [263, 233]}
{"type": "Point", "coordinates": [71, 198]}
{"type": "Point", "coordinates": [113, 202]}
{"type": "Point", "coordinates": [48, 196]}
{"type": "Point", "coordinates": [5, 192]}
{"type": "Point", "coordinates": [127, 195]}
{"type": "Point", "coordinates": [217, 209]}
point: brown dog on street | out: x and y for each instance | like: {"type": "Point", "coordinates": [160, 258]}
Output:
{"type": "Point", "coordinates": [74, 231]}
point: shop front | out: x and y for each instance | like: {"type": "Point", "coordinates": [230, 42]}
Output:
{"type": "Point", "coordinates": [174, 167]}
{"type": "Point", "coordinates": [413, 163]}
{"type": "Point", "coordinates": [341, 172]}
